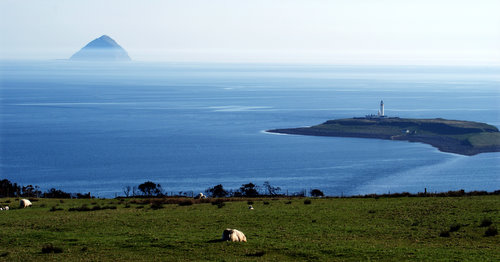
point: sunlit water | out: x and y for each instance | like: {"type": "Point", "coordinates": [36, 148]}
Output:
{"type": "Point", "coordinates": [81, 127]}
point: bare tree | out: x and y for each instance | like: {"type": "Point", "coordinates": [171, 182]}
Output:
{"type": "Point", "coordinates": [127, 190]}
{"type": "Point", "coordinates": [271, 190]}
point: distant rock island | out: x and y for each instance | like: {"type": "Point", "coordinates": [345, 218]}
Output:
{"type": "Point", "coordinates": [103, 48]}
{"type": "Point", "coordinates": [453, 136]}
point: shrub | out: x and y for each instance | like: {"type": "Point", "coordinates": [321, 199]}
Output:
{"type": "Point", "coordinates": [371, 211]}
{"type": "Point", "coordinates": [491, 231]}
{"type": "Point", "coordinates": [82, 208]}
{"type": "Point", "coordinates": [156, 205]}
{"type": "Point", "coordinates": [454, 227]}
{"type": "Point", "coordinates": [221, 204]}
{"type": "Point", "coordinates": [256, 254]}
{"type": "Point", "coordinates": [83, 196]}
{"type": "Point", "coordinates": [150, 189]}
{"type": "Point", "coordinates": [307, 202]}
{"type": "Point", "coordinates": [217, 191]}
{"type": "Point", "coordinates": [444, 234]}
{"type": "Point", "coordinates": [250, 202]}
{"type": "Point", "coordinates": [54, 208]}
{"type": "Point", "coordinates": [249, 190]}
{"type": "Point", "coordinates": [49, 248]}
{"type": "Point", "coordinates": [266, 203]}
{"type": "Point", "coordinates": [217, 202]}
{"type": "Point", "coordinates": [288, 203]}
{"type": "Point", "coordinates": [186, 202]}
{"type": "Point", "coordinates": [300, 194]}
{"type": "Point", "coordinates": [316, 193]}
{"type": "Point", "coordinates": [486, 222]}
{"type": "Point", "coordinates": [56, 193]}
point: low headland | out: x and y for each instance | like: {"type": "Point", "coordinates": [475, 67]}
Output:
{"type": "Point", "coordinates": [452, 136]}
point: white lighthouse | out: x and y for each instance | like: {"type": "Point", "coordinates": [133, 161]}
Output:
{"type": "Point", "coordinates": [381, 111]}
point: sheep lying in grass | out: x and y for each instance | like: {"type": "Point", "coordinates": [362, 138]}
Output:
{"type": "Point", "coordinates": [250, 207]}
{"type": "Point", "coordinates": [24, 203]}
{"type": "Point", "coordinates": [233, 235]}
{"type": "Point", "coordinates": [6, 208]}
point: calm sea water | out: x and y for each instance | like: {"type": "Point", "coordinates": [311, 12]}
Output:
{"type": "Point", "coordinates": [83, 127]}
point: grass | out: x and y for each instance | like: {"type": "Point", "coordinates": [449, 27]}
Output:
{"type": "Point", "coordinates": [485, 139]}
{"type": "Point", "coordinates": [328, 229]}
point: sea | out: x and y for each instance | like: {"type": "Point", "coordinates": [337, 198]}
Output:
{"type": "Point", "coordinates": [86, 127]}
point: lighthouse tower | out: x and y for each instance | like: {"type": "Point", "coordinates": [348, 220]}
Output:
{"type": "Point", "coordinates": [381, 112]}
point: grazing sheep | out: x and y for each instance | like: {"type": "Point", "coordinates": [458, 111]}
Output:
{"type": "Point", "coordinates": [1, 208]}
{"type": "Point", "coordinates": [24, 203]}
{"type": "Point", "coordinates": [250, 207]}
{"type": "Point", "coordinates": [200, 195]}
{"type": "Point", "coordinates": [233, 235]}
{"type": "Point", "coordinates": [6, 208]}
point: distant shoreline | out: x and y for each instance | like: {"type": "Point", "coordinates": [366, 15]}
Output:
{"type": "Point", "coordinates": [451, 136]}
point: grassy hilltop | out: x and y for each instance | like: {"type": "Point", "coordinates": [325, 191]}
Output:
{"type": "Point", "coordinates": [454, 136]}
{"type": "Point", "coordinates": [335, 229]}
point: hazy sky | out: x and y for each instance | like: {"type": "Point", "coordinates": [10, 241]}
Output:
{"type": "Point", "coordinates": [315, 31]}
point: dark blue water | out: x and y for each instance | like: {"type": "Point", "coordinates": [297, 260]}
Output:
{"type": "Point", "coordinates": [82, 127]}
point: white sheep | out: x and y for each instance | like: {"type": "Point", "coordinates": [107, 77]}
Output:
{"type": "Point", "coordinates": [200, 195]}
{"type": "Point", "coordinates": [24, 203]}
{"type": "Point", "coordinates": [6, 208]}
{"type": "Point", "coordinates": [233, 235]}
{"type": "Point", "coordinates": [250, 207]}
{"type": "Point", "coordinates": [1, 208]}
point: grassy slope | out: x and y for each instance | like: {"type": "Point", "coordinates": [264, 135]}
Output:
{"type": "Point", "coordinates": [485, 139]}
{"type": "Point", "coordinates": [328, 230]}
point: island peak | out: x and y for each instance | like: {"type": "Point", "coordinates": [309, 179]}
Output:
{"type": "Point", "coordinates": [103, 48]}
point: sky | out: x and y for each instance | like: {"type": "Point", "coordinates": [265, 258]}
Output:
{"type": "Point", "coordinates": [276, 31]}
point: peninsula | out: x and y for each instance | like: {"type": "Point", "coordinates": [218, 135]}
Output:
{"type": "Point", "coordinates": [452, 136]}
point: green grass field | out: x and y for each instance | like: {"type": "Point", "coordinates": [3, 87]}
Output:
{"type": "Point", "coordinates": [343, 229]}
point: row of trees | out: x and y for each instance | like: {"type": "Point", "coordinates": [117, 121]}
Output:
{"type": "Point", "coordinates": [146, 189]}
{"type": "Point", "coordinates": [246, 190]}
{"type": "Point", "coordinates": [9, 189]}
{"type": "Point", "coordinates": [252, 190]}
{"type": "Point", "coordinates": [151, 189]}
